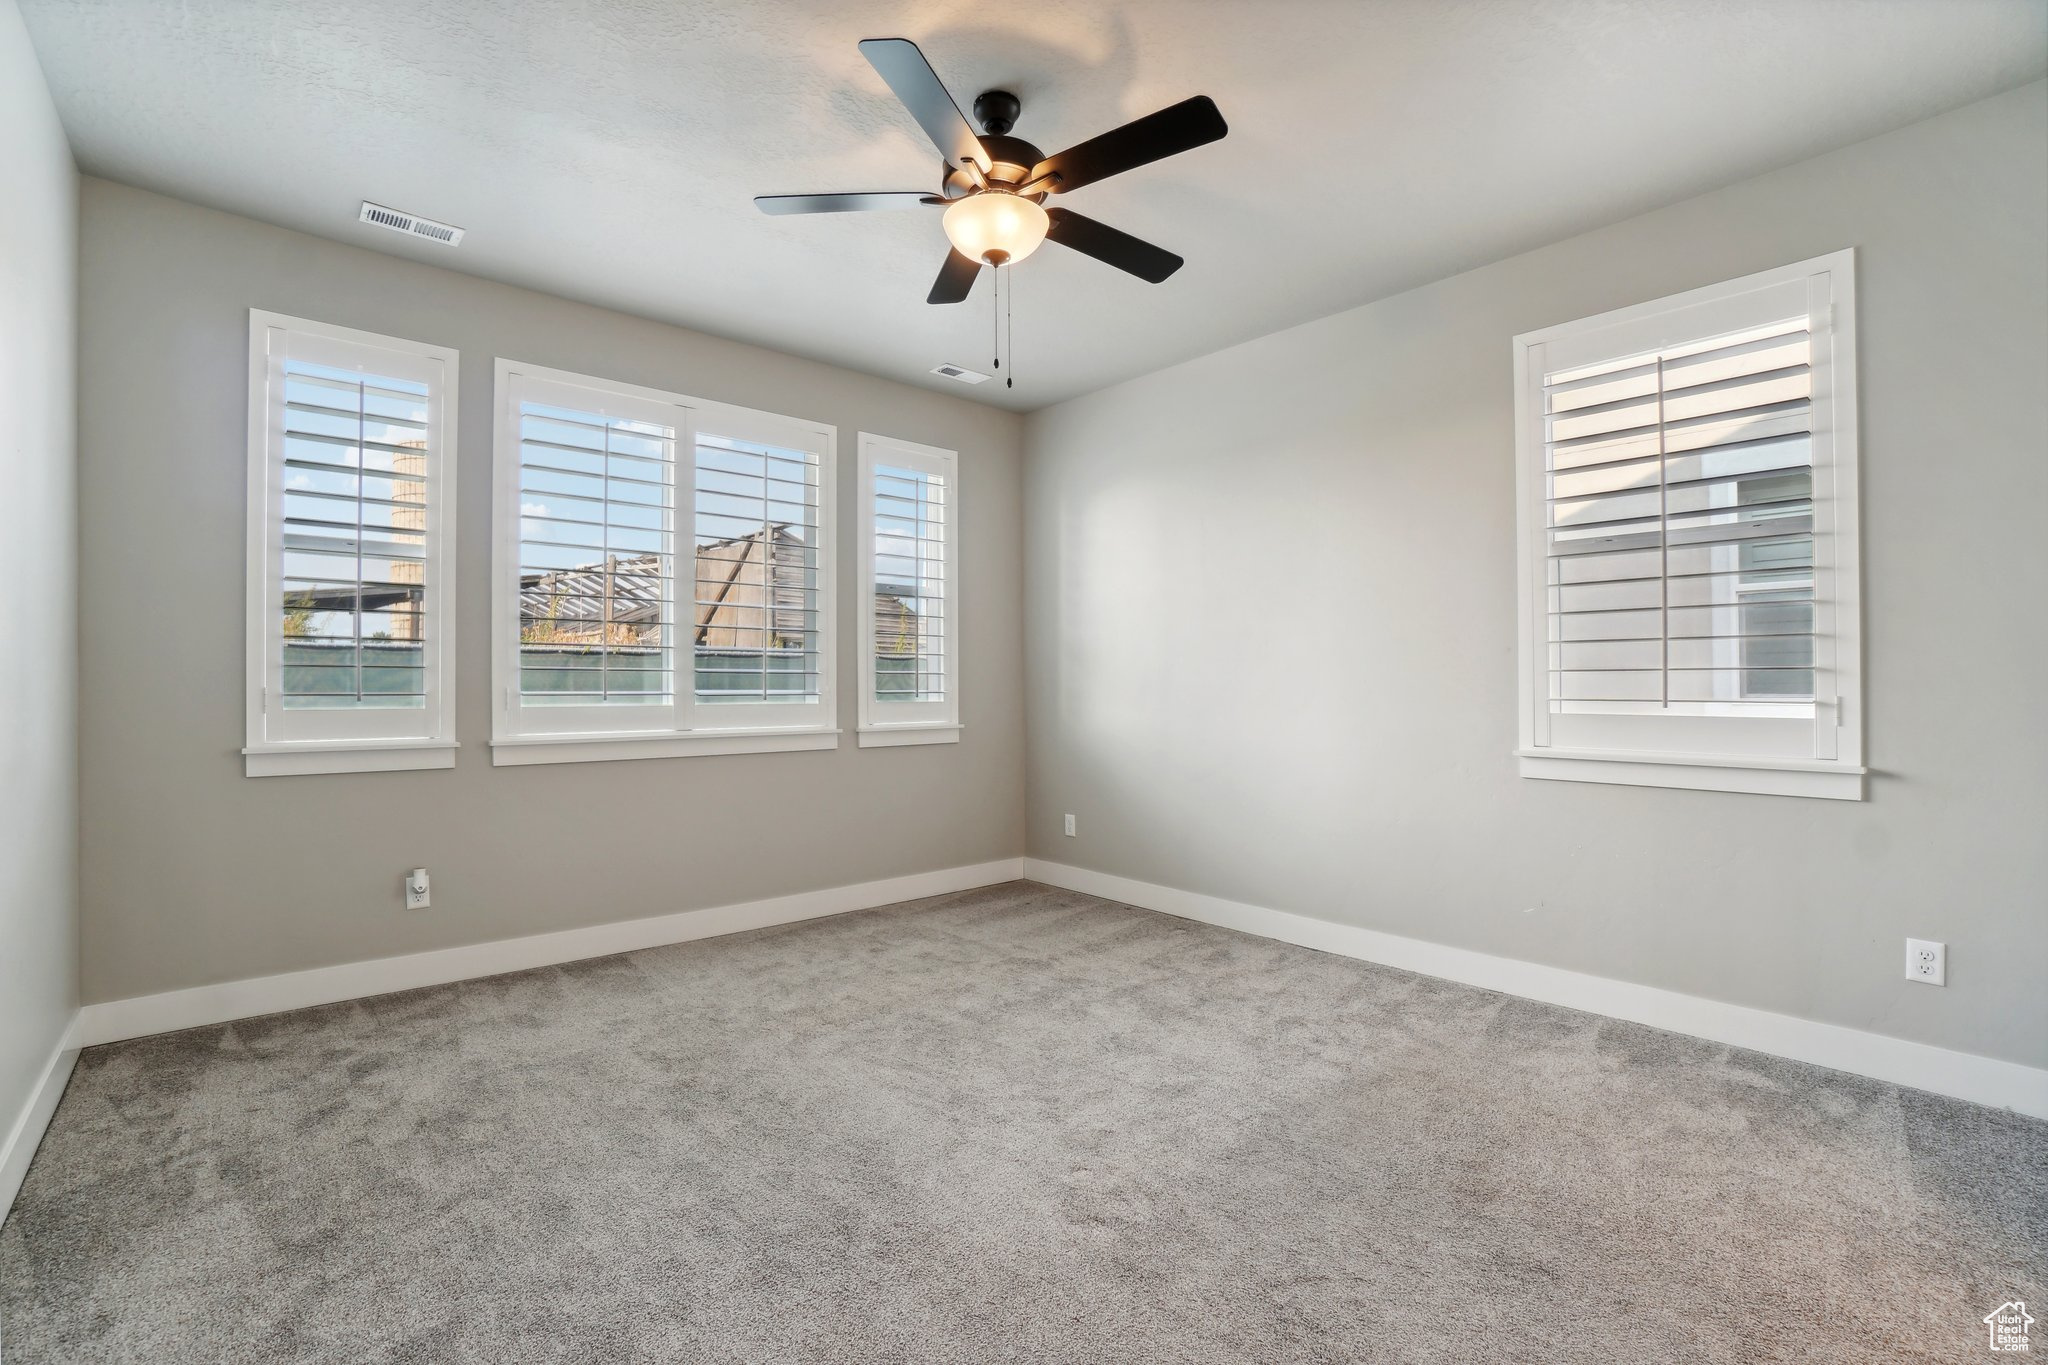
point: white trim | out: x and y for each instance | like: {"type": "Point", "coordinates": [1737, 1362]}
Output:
{"type": "Point", "coordinates": [516, 751]}
{"type": "Point", "coordinates": [1639, 748]}
{"type": "Point", "coordinates": [269, 728]}
{"type": "Point", "coordinates": [26, 1132]}
{"type": "Point", "coordinates": [881, 723]}
{"type": "Point", "coordinates": [1697, 772]}
{"type": "Point", "coordinates": [1899, 1061]}
{"type": "Point", "coordinates": [891, 736]}
{"type": "Point", "coordinates": [347, 756]}
{"type": "Point", "coordinates": [141, 1016]}
{"type": "Point", "coordinates": [683, 725]}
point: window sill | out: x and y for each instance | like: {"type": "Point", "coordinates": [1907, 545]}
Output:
{"type": "Point", "coordinates": [889, 736]}
{"type": "Point", "coordinates": [1697, 772]}
{"type": "Point", "coordinates": [347, 756]}
{"type": "Point", "coordinates": [521, 750]}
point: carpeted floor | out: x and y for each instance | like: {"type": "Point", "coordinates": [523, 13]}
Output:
{"type": "Point", "coordinates": [1016, 1124]}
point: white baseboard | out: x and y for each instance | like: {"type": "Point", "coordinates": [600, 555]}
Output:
{"type": "Point", "coordinates": [201, 1005]}
{"type": "Point", "coordinates": [1981, 1080]}
{"type": "Point", "coordinates": [19, 1148]}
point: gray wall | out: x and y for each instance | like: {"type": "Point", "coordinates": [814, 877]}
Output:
{"type": "Point", "coordinates": [1337, 500]}
{"type": "Point", "coordinates": [195, 874]}
{"type": "Point", "coordinates": [38, 476]}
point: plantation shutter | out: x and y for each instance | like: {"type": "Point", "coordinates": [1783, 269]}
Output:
{"type": "Point", "coordinates": [596, 554]}
{"type": "Point", "coordinates": [1686, 474]}
{"type": "Point", "coordinates": [910, 589]}
{"type": "Point", "coordinates": [350, 568]}
{"type": "Point", "coordinates": [910, 599]}
{"type": "Point", "coordinates": [352, 591]}
{"type": "Point", "coordinates": [755, 630]}
{"type": "Point", "coordinates": [1680, 528]}
{"type": "Point", "coordinates": [665, 588]}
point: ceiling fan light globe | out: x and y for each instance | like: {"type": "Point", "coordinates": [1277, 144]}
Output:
{"type": "Point", "coordinates": [994, 227]}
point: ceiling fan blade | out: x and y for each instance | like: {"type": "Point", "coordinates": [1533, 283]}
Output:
{"type": "Point", "coordinates": [1171, 130]}
{"type": "Point", "coordinates": [956, 279]}
{"type": "Point", "coordinates": [1110, 246]}
{"type": "Point", "coordinates": [843, 203]}
{"type": "Point", "coordinates": [907, 73]}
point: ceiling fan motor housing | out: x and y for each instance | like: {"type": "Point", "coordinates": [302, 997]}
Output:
{"type": "Point", "coordinates": [1012, 159]}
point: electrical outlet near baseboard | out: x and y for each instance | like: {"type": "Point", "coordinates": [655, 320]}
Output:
{"type": "Point", "coordinates": [1070, 826]}
{"type": "Point", "coordinates": [416, 889]}
{"type": "Point", "coordinates": [1927, 961]}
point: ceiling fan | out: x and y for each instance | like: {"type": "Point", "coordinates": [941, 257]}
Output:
{"type": "Point", "coordinates": [993, 186]}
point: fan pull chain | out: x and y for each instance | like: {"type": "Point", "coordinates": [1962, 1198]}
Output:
{"type": "Point", "coordinates": [1002, 298]}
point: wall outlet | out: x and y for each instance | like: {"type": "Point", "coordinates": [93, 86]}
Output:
{"type": "Point", "coordinates": [1927, 961]}
{"type": "Point", "coordinates": [416, 889]}
{"type": "Point", "coordinates": [1070, 826]}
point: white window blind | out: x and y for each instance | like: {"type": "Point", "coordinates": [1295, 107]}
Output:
{"type": "Point", "coordinates": [596, 554]}
{"type": "Point", "coordinates": [909, 603]}
{"type": "Point", "coordinates": [619, 635]}
{"type": "Point", "coordinates": [1681, 528]}
{"type": "Point", "coordinates": [756, 628]}
{"type": "Point", "coordinates": [1688, 515]}
{"type": "Point", "coordinates": [910, 584]}
{"type": "Point", "coordinates": [350, 523]}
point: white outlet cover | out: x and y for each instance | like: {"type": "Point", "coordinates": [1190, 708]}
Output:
{"type": "Point", "coordinates": [1927, 961]}
{"type": "Point", "coordinates": [1070, 826]}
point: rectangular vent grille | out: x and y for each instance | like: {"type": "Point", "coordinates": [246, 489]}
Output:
{"type": "Point", "coordinates": [411, 224]}
{"type": "Point", "coordinates": [961, 373]}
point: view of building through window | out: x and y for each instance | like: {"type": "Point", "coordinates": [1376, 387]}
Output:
{"type": "Point", "coordinates": [910, 584]}
{"type": "Point", "coordinates": [1681, 551]}
{"type": "Point", "coordinates": [598, 586]}
{"type": "Point", "coordinates": [755, 627]}
{"type": "Point", "coordinates": [353, 582]}
{"type": "Point", "coordinates": [598, 630]}
{"type": "Point", "coordinates": [594, 551]}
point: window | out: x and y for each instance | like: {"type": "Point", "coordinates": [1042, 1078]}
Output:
{"type": "Point", "coordinates": [1688, 540]}
{"type": "Point", "coordinates": [909, 598]}
{"type": "Point", "coordinates": [663, 574]}
{"type": "Point", "coordinates": [350, 568]}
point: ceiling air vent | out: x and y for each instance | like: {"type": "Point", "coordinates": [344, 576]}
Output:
{"type": "Point", "coordinates": [411, 225]}
{"type": "Point", "coordinates": [965, 376]}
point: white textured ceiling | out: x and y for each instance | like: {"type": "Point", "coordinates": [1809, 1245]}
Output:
{"type": "Point", "coordinates": [608, 149]}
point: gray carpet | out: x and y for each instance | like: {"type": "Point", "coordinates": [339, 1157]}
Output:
{"type": "Point", "coordinates": [1012, 1125]}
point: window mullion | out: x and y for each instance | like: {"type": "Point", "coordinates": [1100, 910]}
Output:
{"type": "Point", "coordinates": [362, 434]}
{"type": "Point", "coordinates": [604, 609]}
{"type": "Point", "coordinates": [923, 563]}
{"type": "Point", "coordinates": [767, 620]}
{"type": "Point", "coordinates": [684, 606]}
{"type": "Point", "coordinates": [1663, 544]}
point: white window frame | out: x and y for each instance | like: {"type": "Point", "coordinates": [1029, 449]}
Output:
{"type": "Point", "coordinates": [1782, 756]}
{"type": "Point", "coordinates": [280, 742]}
{"type": "Point", "coordinates": [887, 723]}
{"type": "Point", "coordinates": [682, 726]}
